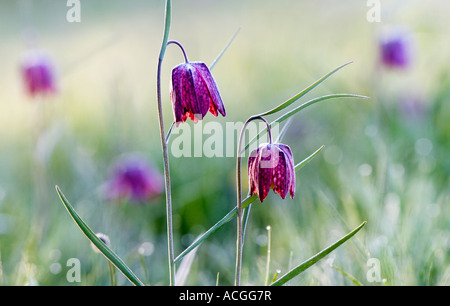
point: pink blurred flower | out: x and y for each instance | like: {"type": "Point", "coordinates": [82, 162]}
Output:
{"type": "Point", "coordinates": [38, 73]}
{"type": "Point", "coordinates": [134, 179]}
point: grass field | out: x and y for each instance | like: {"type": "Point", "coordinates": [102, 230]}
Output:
{"type": "Point", "coordinates": [385, 161]}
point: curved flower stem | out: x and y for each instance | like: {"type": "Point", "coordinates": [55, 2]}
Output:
{"type": "Point", "coordinates": [240, 236]}
{"type": "Point", "coordinates": [164, 146]}
{"type": "Point", "coordinates": [181, 47]}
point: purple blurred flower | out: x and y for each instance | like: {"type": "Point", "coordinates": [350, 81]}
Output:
{"type": "Point", "coordinates": [396, 46]}
{"type": "Point", "coordinates": [271, 166]}
{"type": "Point", "coordinates": [134, 179]}
{"type": "Point", "coordinates": [193, 92]}
{"type": "Point", "coordinates": [38, 73]}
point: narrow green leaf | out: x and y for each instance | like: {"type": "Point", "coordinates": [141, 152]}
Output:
{"type": "Point", "coordinates": [224, 49]}
{"type": "Point", "coordinates": [303, 92]}
{"type": "Point", "coordinates": [169, 133]}
{"type": "Point", "coordinates": [109, 254]}
{"type": "Point", "coordinates": [229, 216]}
{"type": "Point", "coordinates": [308, 263]}
{"type": "Point", "coordinates": [299, 108]}
{"type": "Point", "coordinates": [313, 101]}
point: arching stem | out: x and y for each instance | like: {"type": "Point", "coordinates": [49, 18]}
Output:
{"type": "Point", "coordinates": [181, 47]}
{"type": "Point", "coordinates": [240, 236]}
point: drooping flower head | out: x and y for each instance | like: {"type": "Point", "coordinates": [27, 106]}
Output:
{"type": "Point", "coordinates": [134, 179]}
{"type": "Point", "coordinates": [271, 166]}
{"type": "Point", "coordinates": [38, 73]}
{"type": "Point", "coordinates": [194, 92]}
{"type": "Point", "coordinates": [395, 47]}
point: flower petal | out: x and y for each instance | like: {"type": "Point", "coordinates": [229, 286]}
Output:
{"type": "Point", "coordinates": [179, 109]}
{"type": "Point", "coordinates": [263, 171]}
{"type": "Point", "coordinates": [252, 180]}
{"type": "Point", "coordinates": [290, 168]}
{"type": "Point", "coordinates": [189, 97]}
{"type": "Point", "coordinates": [202, 94]}
{"type": "Point", "coordinates": [280, 174]}
{"type": "Point", "coordinates": [216, 100]}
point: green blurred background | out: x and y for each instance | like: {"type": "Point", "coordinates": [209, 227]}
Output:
{"type": "Point", "coordinates": [381, 163]}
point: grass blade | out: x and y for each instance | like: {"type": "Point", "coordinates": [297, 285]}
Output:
{"type": "Point", "coordinates": [229, 216]}
{"type": "Point", "coordinates": [305, 265]}
{"type": "Point", "coordinates": [303, 92]}
{"type": "Point", "coordinates": [109, 254]}
{"type": "Point", "coordinates": [169, 133]}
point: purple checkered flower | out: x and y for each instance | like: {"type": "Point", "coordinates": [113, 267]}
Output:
{"type": "Point", "coordinates": [134, 179]}
{"type": "Point", "coordinates": [271, 166]}
{"type": "Point", "coordinates": [38, 73]}
{"type": "Point", "coordinates": [193, 92]}
{"type": "Point", "coordinates": [396, 48]}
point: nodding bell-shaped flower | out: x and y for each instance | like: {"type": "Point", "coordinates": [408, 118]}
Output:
{"type": "Point", "coordinates": [193, 92]}
{"type": "Point", "coordinates": [38, 73]}
{"type": "Point", "coordinates": [271, 166]}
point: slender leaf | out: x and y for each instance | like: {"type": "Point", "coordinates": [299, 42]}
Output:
{"type": "Point", "coordinates": [308, 263]}
{"type": "Point", "coordinates": [169, 133]}
{"type": "Point", "coordinates": [299, 108]}
{"type": "Point", "coordinates": [303, 92]}
{"type": "Point", "coordinates": [109, 254]}
{"type": "Point", "coordinates": [184, 268]}
{"type": "Point", "coordinates": [229, 216]}
{"type": "Point", "coordinates": [224, 49]}
{"type": "Point", "coordinates": [313, 101]}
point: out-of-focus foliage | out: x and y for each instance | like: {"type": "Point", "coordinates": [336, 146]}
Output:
{"type": "Point", "coordinates": [385, 160]}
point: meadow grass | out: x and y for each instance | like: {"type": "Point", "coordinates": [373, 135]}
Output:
{"type": "Point", "coordinates": [382, 162]}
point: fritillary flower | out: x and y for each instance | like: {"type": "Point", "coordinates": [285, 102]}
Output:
{"type": "Point", "coordinates": [271, 166]}
{"type": "Point", "coordinates": [193, 91]}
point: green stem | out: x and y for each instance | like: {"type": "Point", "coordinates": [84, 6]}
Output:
{"type": "Point", "coordinates": [164, 146]}
{"type": "Point", "coordinates": [269, 232]}
{"type": "Point", "coordinates": [240, 236]}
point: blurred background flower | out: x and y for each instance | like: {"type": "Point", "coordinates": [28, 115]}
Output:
{"type": "Point", "coordinates": [133, 178]}
{"type": "Point", "coordinates": [396, 47]}
{"type": "Point", "coordinates": [38, 72]}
